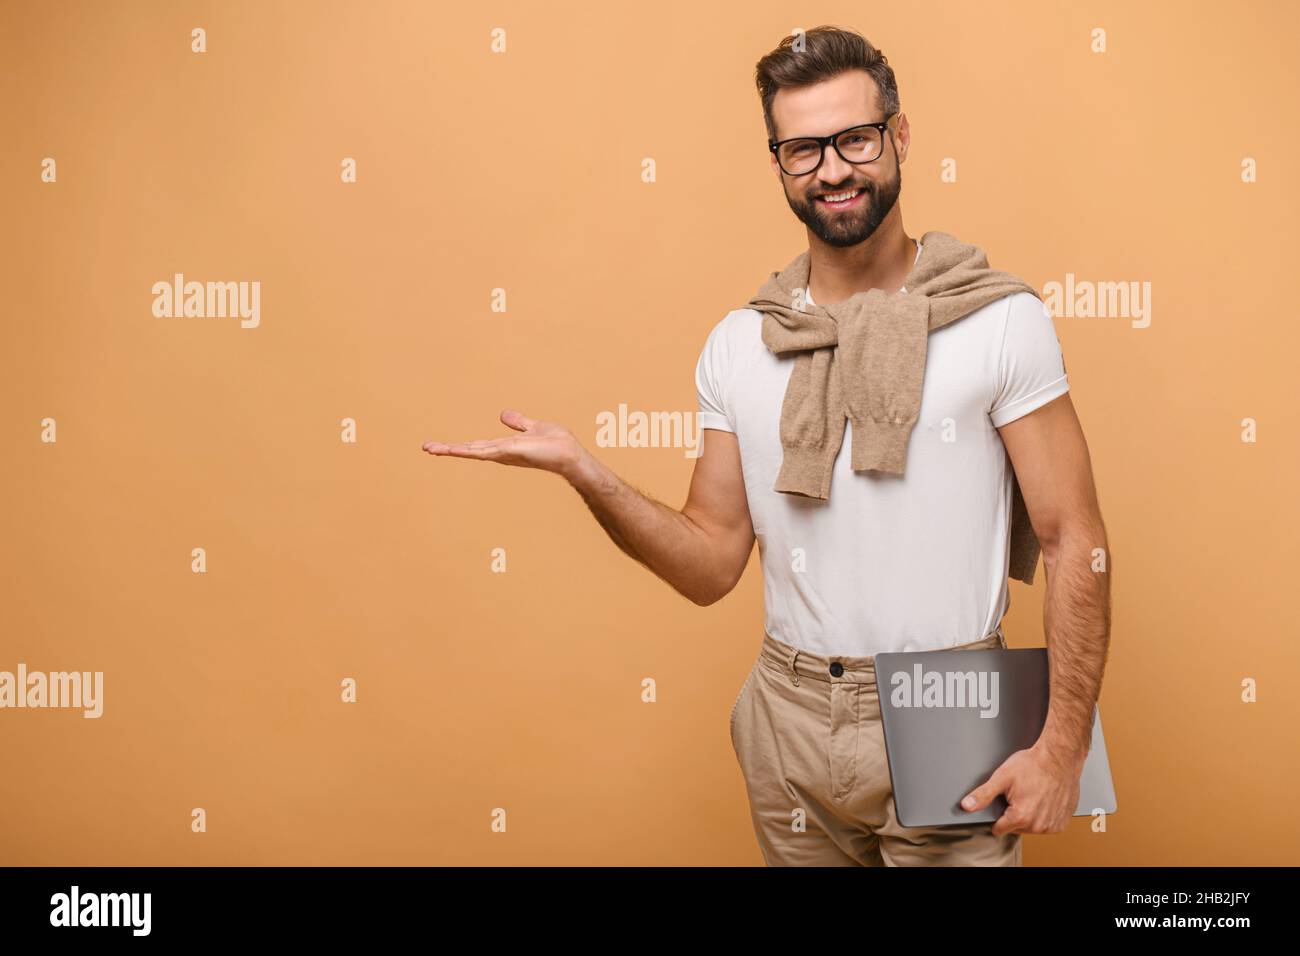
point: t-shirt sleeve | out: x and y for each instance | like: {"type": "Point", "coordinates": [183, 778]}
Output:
{"type": "Point", "coordinates": [1031, 368]}
{"type": "Point", "coordinates": [710, 378]}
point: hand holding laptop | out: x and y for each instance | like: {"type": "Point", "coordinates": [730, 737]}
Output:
{"type": "Point", "coordinates": [967, 722]}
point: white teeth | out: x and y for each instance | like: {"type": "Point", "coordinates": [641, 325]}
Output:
{"type": "Point", "coordinates": [841, 196]}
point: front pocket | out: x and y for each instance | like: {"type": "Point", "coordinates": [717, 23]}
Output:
{"type": "Point", "coordinates": [735, 708]}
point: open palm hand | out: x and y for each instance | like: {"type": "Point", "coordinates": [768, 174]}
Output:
{"type": "Point", "coordinates": [545, 445]}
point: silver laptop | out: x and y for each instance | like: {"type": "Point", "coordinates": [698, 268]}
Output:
{"type": "Point", "coordinates": [952, 717]}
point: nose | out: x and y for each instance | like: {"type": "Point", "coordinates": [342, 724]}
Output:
{"type": "Point", "coordinates": [834, 169]}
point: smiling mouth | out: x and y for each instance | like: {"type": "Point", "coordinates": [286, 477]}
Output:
{"type": "Point", "coordinates": [846, 198]}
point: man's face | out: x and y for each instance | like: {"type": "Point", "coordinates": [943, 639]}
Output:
{"type": "Point", "coordinates": [828, 107]}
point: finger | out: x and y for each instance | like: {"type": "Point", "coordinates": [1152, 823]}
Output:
{"type": "Point", "coordinates": [1007, 823]}
{"type": "Point", "coordinates": [482, 448]}
{"type": "Point", "coordinates": [442, 446]}
{"type": "Point", "coordinates": [485, 452]}
{"type": "Point", "coordinates": [983, 795]}
{"type": "Point", "coordinates": [517, 420]}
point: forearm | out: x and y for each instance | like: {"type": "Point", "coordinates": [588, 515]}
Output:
{"type": "Point", "coordinates": [1076, 619]}
{"type": "Point", "coordinates": [663, 539]}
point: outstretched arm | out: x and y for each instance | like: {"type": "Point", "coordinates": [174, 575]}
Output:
{"type": "Point", "coordinates": [700, 550]}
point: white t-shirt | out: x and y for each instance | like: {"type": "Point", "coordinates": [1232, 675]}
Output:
{"type": "Point", "coordinates": [889, 563]}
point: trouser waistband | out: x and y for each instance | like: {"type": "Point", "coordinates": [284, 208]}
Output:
{"type": "Point", "coordinates": [854, 670]}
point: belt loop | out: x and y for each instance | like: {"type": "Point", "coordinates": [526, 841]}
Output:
{"type": "Point", "coordinates": [794, 673]}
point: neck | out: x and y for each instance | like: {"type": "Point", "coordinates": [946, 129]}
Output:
{"type": "Point", "coordinates": [882, 261]}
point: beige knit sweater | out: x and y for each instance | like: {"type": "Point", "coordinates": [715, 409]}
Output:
{"type": "Point", "coordinates": [863, 360]}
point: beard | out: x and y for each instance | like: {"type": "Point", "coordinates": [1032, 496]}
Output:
{"type": "Point", "coordinates": [850, 227]}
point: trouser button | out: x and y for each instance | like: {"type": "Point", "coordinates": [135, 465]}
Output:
{"type": "Point", "coordinates": [837, 669]}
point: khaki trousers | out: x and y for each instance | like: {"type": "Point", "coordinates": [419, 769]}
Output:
{"type": "Point", "coordinates": [806, 731]}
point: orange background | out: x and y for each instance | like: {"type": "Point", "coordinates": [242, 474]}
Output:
{"type": "Point", "coordinates": [521, 171]}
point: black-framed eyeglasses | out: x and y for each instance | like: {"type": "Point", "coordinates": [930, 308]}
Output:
{"type": "Point", "coordinates": [857, 145]}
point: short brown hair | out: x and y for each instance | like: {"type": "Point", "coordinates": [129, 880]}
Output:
{"type": "Point", "coordinates": [828, 52]}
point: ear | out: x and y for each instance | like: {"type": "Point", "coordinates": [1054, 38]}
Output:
{"type": "Point", "coordinates": [898, 127]}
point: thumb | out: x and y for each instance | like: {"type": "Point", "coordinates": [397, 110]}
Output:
{"type": "Point", "coordinates": [983, 795]}
{"type": "Point", "coordinates": [517, 420]}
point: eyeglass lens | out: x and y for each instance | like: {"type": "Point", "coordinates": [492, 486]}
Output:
{"type": "Point", "coordinates": [859, 145]}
